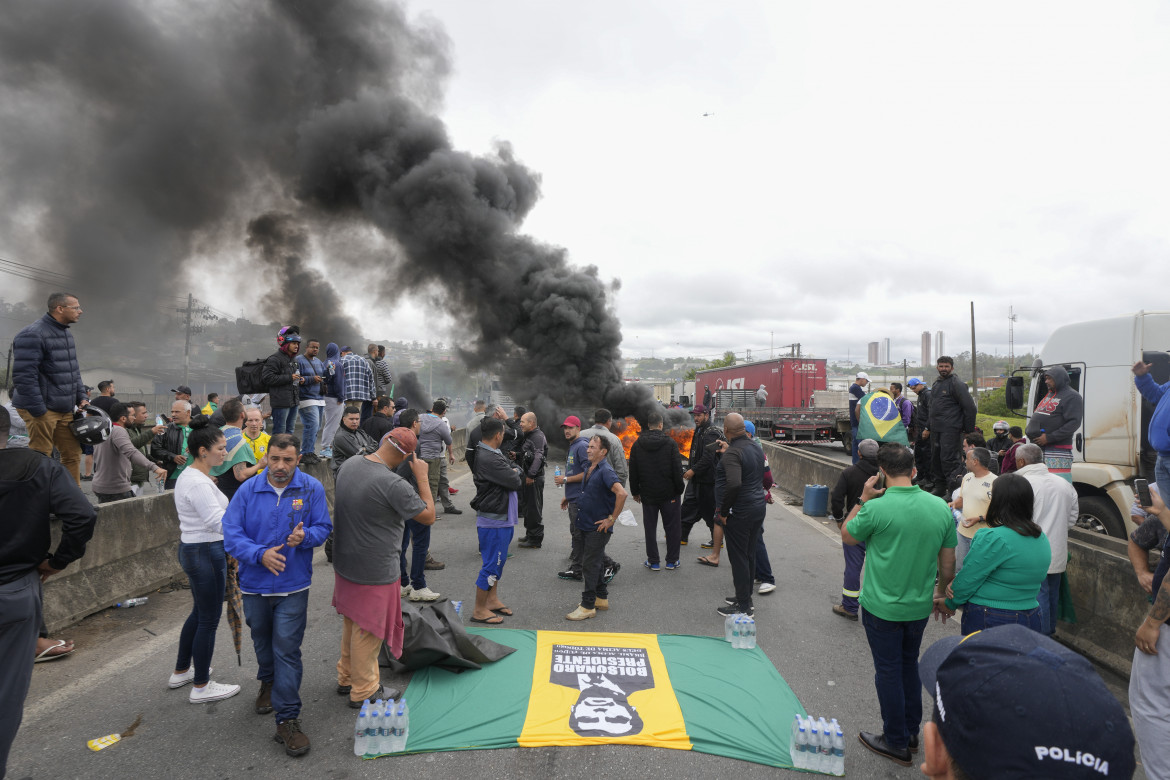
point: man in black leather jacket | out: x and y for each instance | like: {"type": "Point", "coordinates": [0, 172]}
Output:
{"type": "Point", "coordinates": [497, 486]}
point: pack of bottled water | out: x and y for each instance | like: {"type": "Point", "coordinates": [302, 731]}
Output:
{"type": "Point", "coordinates": [740, 631]}
{"type": "Point", "coordinates": [382, 727]}
{"type": "Point", "coordinates": [817, 746]}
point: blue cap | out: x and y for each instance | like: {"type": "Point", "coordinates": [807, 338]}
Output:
{"type": "Point", "coordinates": [750, 427]}
{"type": "Point", "coordinates": [1013, 703]}
{"type": "Point", "coordinates": [914, 382]}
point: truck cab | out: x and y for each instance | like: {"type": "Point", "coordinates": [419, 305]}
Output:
{"type": "Point", "coordinates": [1111, 444]}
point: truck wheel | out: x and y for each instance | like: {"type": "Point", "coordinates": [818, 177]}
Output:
{"type": "Point", "coordinates": [847, 441]}
{"type": "Point", "coordinates": [1099, 515]}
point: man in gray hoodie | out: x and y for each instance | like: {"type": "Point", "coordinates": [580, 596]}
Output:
{"type": "Point", "coordinates": [1055, 421]}
{"type": "Point", "coordinates": [434, 439]}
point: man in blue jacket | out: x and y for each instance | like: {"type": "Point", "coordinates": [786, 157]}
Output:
{"type": "Point", "coordinates": [311, 403]}
{"type": "Point", "coordinates": [47, 381]}
{"type": "Point", "coordinates": [271, 527]}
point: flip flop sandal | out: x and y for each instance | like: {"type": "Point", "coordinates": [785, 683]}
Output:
{"type": "Point", "coordinates": [503, 611]}
{"type": "Point", "coordinates": [44, 655]}
{"type": "Point", "coordinates": [489, 621]}
{"type": "Point", "coordinates": [706, 562]}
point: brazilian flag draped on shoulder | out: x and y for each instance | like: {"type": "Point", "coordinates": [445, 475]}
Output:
{"type": "Point", "coordinates": [879, 419]}
{"type": "Point", "coordinates": [238, 451]}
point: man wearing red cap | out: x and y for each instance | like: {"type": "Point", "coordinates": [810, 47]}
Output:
{"type": "Point", "coordinates": [372, 506]}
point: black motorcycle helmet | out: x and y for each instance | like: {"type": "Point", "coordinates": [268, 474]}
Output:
{"type": "Point", "coordinates": [91, 425]}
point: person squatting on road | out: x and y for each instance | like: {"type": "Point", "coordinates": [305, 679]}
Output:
{"type": "Point", "coordinates": [372, 506]}
{"type": "Point", "coordinates": [497, 511]}
{"type": "Point", "coordinates": [846, 493]}
{"type": "Point", "coordinates": [271, 527]}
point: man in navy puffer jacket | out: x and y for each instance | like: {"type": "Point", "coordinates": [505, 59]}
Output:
{"type": "Point", "coordinates": [48, 383]}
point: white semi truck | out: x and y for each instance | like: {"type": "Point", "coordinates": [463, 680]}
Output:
{"type": "Point", "coordinates": [1110, 447]}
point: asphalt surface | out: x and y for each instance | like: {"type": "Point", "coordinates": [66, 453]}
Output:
{"type": "Point", "coordinates": [124, 657]}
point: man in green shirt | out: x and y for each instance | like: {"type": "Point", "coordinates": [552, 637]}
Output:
{"type": "Point", "coordinates": [909, 538]}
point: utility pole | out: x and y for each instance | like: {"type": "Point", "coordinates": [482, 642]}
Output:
{"type": "Point", "coordinates": [431, 376]}
{"type": "Point", "coordinates": [1011, 338]}
{"type": "Point", "coordinates": [974, 369]}
{"type": "Point", "coordinates": [904, 374]}
{"type": "Point", "coordinates": [771, 344]}
{"type": "Point", "coordinates": [187, 345]}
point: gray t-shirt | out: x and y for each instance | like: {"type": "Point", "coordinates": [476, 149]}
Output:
{"type": "Point", "coordinates": [370, 510]}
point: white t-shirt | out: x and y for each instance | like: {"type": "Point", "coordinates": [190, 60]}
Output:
{"type": "Point", "coordinates": [976, 493]}
{"type": "Point", "coordinates": [200, 505]}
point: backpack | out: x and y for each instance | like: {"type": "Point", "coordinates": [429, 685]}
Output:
{"type": "Point", "coordinates": [913, 411]}
{"type": "Point", "coordinates": [250, 377]}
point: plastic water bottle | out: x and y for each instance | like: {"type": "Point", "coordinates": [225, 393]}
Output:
{"type": "Point", "coordinates": [371, 727]}
{"type": "Point", "coordinates": [131, 602]}
{"type": "Point", "coordinates": [158, 420]}
{"type": "Point", "coordinates": [458, 607]}
{"type": "Point", "coordinates": [557, 473]}
{"type": "Point", "coordinates": [825, 747]}
{"type": "Point", "coordinates": [727, 621]}
{"type": "Point", "coordinates": [813, 747]}
{"type": "Point", "coordinates": [751, 633]}
{"type": "Point", "coordinates": [838, 767]}
{"type": "Point", "coordinates": [359, 731]}
{"type": "Point", "coordinates": [737, 632]}
{"type": "Point", "coordinates": [401, 728]}
{"type": "Point", "coordinates": [796, 742]}
{"type": "Point", "coordinates": [161, 485]}
{"type": "Point", "coordinates": [376, 744]}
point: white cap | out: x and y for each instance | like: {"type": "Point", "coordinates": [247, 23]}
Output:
{"type": "Point", "coordinates": [861, 375]}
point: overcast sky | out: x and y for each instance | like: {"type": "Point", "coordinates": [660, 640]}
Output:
{"type": "Point", "coordinates": [866, 169]}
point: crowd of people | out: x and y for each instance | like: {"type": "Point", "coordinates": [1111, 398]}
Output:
{"type": "Point", "coordinates": [994, 544]}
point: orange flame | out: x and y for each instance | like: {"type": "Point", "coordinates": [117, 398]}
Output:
{"type": "Point", "coordinates": [683, 437]}
{"type": "Point", "coordinates": [627, 431]}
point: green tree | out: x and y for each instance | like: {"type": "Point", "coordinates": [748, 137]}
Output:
{"type": "Point", "coordinates": [994, 403]}
{"type": "Point", "coordinates": [728, 359]}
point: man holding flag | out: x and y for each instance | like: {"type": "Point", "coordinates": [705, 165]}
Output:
{"type": "Point", "coordinates": [880, 419]}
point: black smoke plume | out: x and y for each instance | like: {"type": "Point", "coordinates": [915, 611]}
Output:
{"type": "Point", "coordinates": [139, 135]}
{"type": "Point", "coordinates": [409, 387]}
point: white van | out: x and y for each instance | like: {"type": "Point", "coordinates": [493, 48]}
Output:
{"type": "Point", "coordinates": [1112, 442]}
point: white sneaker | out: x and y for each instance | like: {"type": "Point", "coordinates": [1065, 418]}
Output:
{"type": "Point", "coordinates": [766, 587]}
{"type": "Point", "coordinates": [213, 691]}
{"type": "Point", "coordinates": [424, 594]}
{"type": "Point", "coordinates": [179, 680]}
{"type": "Point", "coordinates": [406, 590]}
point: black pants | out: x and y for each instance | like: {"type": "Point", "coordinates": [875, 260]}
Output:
{"type": "Point", "coordinates": [593, 567]}
{"type": "Point", "coordinates": [532, 499]}
{"type": "Point", "coordinates": [946, 454]}
{"type": "Point", "coordinates": [20, 617]}
{"type": "Point", "coordinates": [698, 504]}
{"type": "Point", "coordinates": [922, 458]}
{"type": "Point", "coordinates": [671, 526]}
{"type": "Point", "coordinates": [742, 534]}
{"type": "Point", "coordinates": [105, 498]}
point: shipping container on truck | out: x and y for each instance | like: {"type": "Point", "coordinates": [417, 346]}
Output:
{"type": "Point", "coordinates": [789, 414]}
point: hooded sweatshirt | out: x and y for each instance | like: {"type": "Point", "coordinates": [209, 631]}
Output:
{"type": "Point", "coordinates": [1059, 413]}
{"type": "Point", "coordinates": [656, 468]}
{"type": "Point", "coordinates": [333, 377]}
{"type": "Point", "coordinates": [433, 436]}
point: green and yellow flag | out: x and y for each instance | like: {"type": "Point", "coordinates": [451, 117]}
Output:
{"type": "Point", "coordinates": [570, 688]}
{"type": "Point", "coordinates": [879, 419]}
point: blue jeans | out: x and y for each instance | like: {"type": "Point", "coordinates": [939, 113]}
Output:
{"type": "Point", "coordinates": [278, 626]}
{"type": "Point", "coordinates": [418, 537]}
{"type": "Point", "coordinates": [1049, 598]}
{"type": "Point", "coordinates": [895, 647]}
{"type": "Point", "coordinates": [961, 550]}
{"type": "Point", "coordinates": [1162, 475]}
{"type": "Point", "coordinates": [310, 422]}
{"type": "Point", "coordinates": [205, 565]}
{"type": "Point", "coordinates": [284, 419]}
{"type": "Point", "coordinates": [856, 457]}
{"type": "Point", "coordinates": [977, 617]}
{"type": "Point", "coordinates": [851, 583]}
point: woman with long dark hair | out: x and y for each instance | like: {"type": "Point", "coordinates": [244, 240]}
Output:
{"type": "Point", "coordinates": [1006, 564]}
{"type": "Point", "coordinates": [201, 505]}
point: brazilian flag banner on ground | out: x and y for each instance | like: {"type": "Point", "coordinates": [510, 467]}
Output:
{"type": "Point", "coordinates": [571, 688]}
{"type": "Point", "coordinates": [879, 419]}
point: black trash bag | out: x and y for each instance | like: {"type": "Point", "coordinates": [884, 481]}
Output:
{"type": "Point", "coordinates": [434, 636]}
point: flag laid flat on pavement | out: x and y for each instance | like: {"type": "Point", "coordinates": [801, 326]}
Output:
{"type": "Point", "coordinates": [880, 420]}
{"type": "Point", "coordinates": [574, 688]}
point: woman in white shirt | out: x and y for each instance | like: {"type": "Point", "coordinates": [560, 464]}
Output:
{"type": "Point", "coordinates": [201, 505]}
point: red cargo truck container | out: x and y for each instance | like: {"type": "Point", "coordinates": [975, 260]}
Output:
{"type": "Point", "coordinates": [790, 381]}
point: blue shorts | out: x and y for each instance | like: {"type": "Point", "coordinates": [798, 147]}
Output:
{"type": "Point", "coordinates": [493, 546]}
